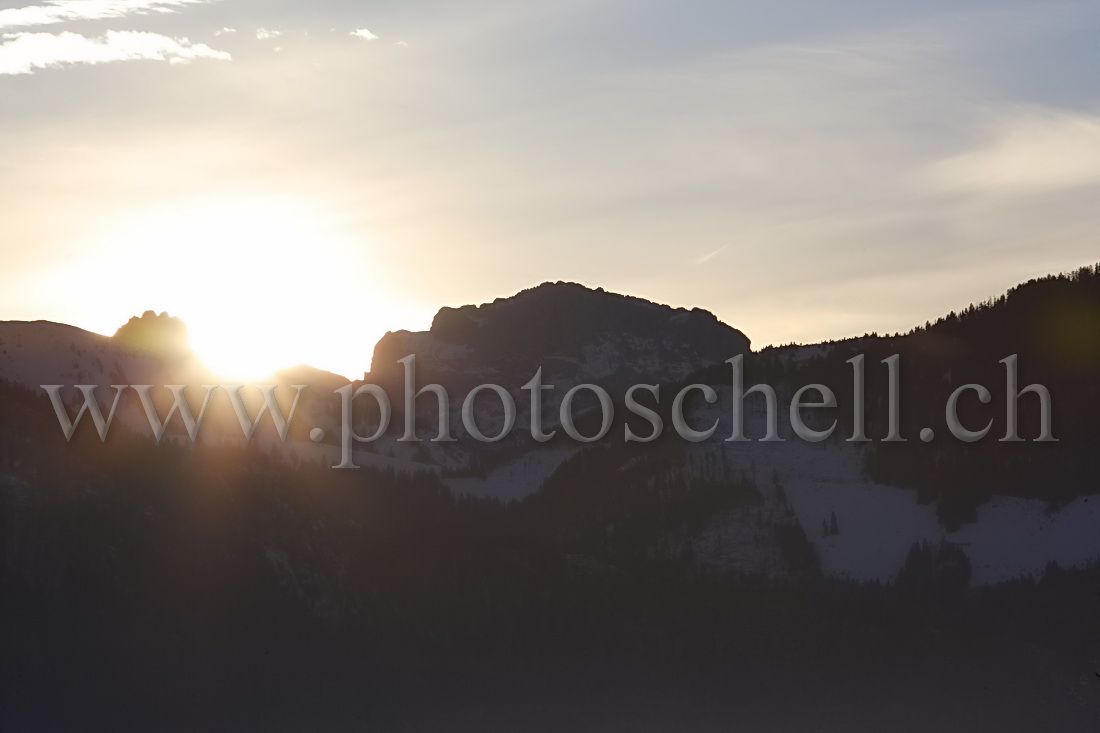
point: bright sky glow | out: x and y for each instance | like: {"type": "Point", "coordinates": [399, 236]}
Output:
{"type": "Point", "coordinates": [293, 184]}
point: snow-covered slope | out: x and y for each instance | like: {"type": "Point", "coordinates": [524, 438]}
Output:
{"type": "Point", "coordinates": [878, 524]}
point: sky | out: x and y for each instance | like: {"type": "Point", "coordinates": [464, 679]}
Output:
{"type": "Point", "coordinates": [294, 179]}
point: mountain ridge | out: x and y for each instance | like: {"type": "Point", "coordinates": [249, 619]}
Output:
{"type": "Point", "coordinates": [572, 331]}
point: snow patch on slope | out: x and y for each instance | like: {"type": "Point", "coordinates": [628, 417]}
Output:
{"type": "Point", "coordinates": [878, 524]}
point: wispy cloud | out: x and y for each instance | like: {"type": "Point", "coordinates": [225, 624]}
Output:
{"type": "Point", "coordinates": [264, 34]}
{"type": "Point", "coordinates": [365, 34]}
{"type": "Point", "coordinates": [1029, 151]}
{"type": "Point", "coordinates": [23, 53]}
{"type": "Point", "coordinates": [61, 11]}
{"type": "Point", "coordinates": [225, 31]}
{"type": "Point", "coordinates": [711, 255]}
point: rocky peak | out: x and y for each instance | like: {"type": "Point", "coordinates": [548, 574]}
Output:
{"type": "Point", "coordinates": [162, 335]}
{"type": "Point", "coordinates": [572, 330]}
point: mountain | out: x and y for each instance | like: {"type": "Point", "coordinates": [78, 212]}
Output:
{"type": "Point", "coordinates": [575, 334]}
{"type": "Point", "coordinates": [152, 350]}
{"type": "Point", "coordinates": [568, 333]}
{"type": "Point", "coordinates": [668, 584]}
{"type": "Point", "coordinates": [1052, 324]}
{"type": "Point", "coordinates": [733, 507]}
{"type": "Point", "coordinates": [158, 334]}
{"type": "Point", "coordinates": [33, 353]}
{"type": "Point", "coordinates": [319, 380]}
{"type": "Point", "coordinates": [750, 501]}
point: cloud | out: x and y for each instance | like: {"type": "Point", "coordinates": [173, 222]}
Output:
{"type": "Point", "coordinates": [264, 34]}
{"type": "Point", "coordinates": [225, 31]}
{"type": "Point", "coordinates": [1030, 151]}
{"type": "Point", "coordinates": [403, 44]}
{"type": "Point", "coordinates": [60, 11]}
{"type": "Point", "coordinates": [23, 53]}
{"type": "Point", "coordinates": [711, 255]}
{"type": "Point", "coordinates": [365, 34]}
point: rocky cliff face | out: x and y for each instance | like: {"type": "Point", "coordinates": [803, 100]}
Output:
{"type": "Point", "coordinates": [574, 333]}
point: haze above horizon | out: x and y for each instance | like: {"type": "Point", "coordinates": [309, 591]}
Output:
{"type": "Point", "coordinates": [312, 176]}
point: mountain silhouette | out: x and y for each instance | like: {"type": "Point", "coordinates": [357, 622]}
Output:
{"type": "Point", "coordinates": [159, 334]}
{"type": "Point", "coordinates": [573, 332]}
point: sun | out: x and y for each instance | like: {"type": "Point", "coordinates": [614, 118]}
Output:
{"type": "Point", "coordinates": [262, 284]}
